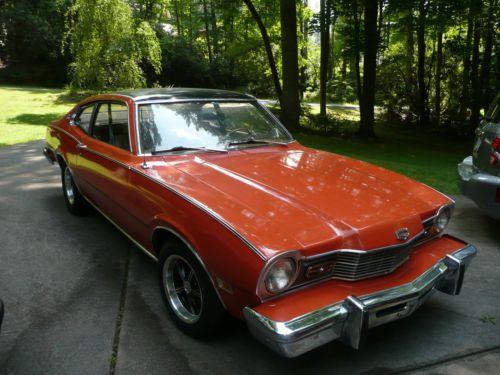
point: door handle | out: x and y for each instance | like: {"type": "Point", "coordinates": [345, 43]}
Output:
{"type": "Point", "coordinates": [81, 146]}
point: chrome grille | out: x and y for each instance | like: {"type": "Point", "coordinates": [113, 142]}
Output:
{"type": "Point", "coordinates": [357, 265]}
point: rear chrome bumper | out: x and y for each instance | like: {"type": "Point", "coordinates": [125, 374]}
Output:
{"type": "Point", "coordinates": [48, 155]}
{"type": "Point", "coordinates": [349, 320]}
{"type": "Point", "coordinates": [480, 187]}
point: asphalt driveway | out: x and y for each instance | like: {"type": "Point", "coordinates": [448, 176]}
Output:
{"type": "Point", "coordinates": [81, 299]}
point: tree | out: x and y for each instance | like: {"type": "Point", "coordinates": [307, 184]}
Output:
{"type": "Point", "coordinates": [367, 103]}
{"type": "Point", "coordinates": [290, 102]}
{"type": "Point", "coordinates": [423, 109]}
{"type": "Point", "coordinates": [108, 46]}
{"type": "Point", "coordinates": [267, 46]}
{"type": "Point", "coordinates": [324, 18]}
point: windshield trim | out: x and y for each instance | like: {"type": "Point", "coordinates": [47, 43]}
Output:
{"type": "Point", "coordinates": [266, 111]}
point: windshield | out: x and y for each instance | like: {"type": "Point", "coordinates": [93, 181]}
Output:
{"type": "Point", "coordinates": [206, 125]}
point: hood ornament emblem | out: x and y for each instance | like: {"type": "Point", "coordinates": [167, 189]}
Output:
{"type": "Point", "coordinates": [402, 234]}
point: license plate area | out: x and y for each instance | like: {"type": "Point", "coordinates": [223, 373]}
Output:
{"type": "Point", "coordinates": [391, 311]}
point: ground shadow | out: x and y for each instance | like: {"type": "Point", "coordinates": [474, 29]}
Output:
{"type": "Point", "coordinates": [34, 119]}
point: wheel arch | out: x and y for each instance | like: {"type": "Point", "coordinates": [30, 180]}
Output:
{"type": "Point", "coordinates": [60, 160]}
{"type": "Point", "coordinates": [162, 233]}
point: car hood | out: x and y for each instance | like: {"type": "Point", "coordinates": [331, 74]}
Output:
{"type": "Point", "coordinates": [291, 197]}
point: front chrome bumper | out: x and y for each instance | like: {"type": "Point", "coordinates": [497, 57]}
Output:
{"type": "Point", "coordinates": [349, 320]}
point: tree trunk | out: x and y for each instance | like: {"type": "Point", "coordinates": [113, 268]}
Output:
{"type": "Point", "coordinates": [465, 96]}
{"type": "Point", "coordinates": [207, 31]}
{"type": "Point", "coordinates": [410, 81]}
{"type": "Point", "coordinates": [325, 52]}
{"type": "Point", "coordinates": [268, 48]}
{"type": "Point", "coordinates": [423, 112]}
{"type": "Point", "coordinates": [304, 28]}
{"type": "Point", "coordinates": [366, 125]}
{"type": "Point", "coordinates": [356, 55]}
{"type": "Point", "coordinates": [290, 103]}
{"type": "Point", "coordinates": [474, 77]}
{"type": "Point", "coordinates": [439, 67]}
{"type": "Point", "coordinates": [178, 18]}
{"type": "Point", "coordinates": [486, 96]}
{"type": "Point", "coordinates": [215, 32]}
{"type": "Point", "coordinates": [331, 65]}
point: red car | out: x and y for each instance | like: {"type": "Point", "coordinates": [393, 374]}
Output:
{"type": "Point", "coordinates": [306, 246]}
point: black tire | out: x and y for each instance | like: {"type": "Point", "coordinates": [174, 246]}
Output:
{"type": "Point", "coordinates": [199, 317]}
{"type": "Point", "coordinates": [74, 200]}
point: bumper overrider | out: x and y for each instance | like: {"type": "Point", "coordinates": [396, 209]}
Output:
{"type": "Point", "coordinates": [350, 318]}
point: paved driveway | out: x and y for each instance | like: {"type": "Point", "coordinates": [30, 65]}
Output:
{"type": "Point", "coordinates": [80, 299]}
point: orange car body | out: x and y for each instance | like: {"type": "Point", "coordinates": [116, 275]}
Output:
{"type": "Point", "coordinates": [241, 209]}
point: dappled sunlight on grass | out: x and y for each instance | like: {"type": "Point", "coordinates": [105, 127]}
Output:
{"type": "Point", "coordinates": [24, 112]}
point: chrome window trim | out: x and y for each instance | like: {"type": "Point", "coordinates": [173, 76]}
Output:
{"type": "Point", "coordinates": [97, 103]}
{"type": "Point", "coordinates": [159, 100]}
{"type": "Point", "coordinates": [195, 254]}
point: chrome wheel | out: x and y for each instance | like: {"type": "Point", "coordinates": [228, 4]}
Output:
{"type": "Point", "coordinates": [182, 289]}
{"type": "Point", "coordinates": [68, 186]}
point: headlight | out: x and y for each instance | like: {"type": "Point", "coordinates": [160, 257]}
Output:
{"type": "Point", "coordinates": [280, 275]}
{"type": "Point", "coordinates": [442, 218]}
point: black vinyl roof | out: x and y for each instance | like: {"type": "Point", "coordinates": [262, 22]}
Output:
{"type": "Point", "coordinates": [183, 93]}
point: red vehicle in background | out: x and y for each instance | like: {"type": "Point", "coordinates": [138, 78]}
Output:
{"type": "Point", "coordinates": [306, 246]}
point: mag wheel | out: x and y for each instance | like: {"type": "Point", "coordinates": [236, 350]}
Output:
{"type": "Point", "coordinates": [188, 293]}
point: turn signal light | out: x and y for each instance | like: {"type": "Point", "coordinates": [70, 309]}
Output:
{"type": "Point", "coordinates": [494, 158]}
{"type": "Point", "coordinates": [496, 143]}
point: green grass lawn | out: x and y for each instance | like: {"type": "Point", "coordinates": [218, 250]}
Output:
{"type": "Point", "coordinates": [25, 112]}
{"type": "Point", "coordinates": [412, 152]}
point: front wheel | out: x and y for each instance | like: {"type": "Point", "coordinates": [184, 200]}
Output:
{"type": "Point", "coordinates": [188, 293]}
{"type": "Point", "coordinates": [75, 201]}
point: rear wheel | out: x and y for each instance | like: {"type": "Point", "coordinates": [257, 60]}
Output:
{"type": "Point", "coordinates": [188, 293]}
{"type": "Point", "coordinates": [75, 201]}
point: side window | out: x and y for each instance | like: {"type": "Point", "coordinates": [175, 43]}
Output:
{"type": "Point", "coordinates": [84, 118]}
{"type": "Point", "coordinates": [111, 125]}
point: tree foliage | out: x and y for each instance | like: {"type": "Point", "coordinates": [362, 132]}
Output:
{"type": "Point", "coordinates": [432, 63]}
{"type": "Point", "coordinates": [109, 46]}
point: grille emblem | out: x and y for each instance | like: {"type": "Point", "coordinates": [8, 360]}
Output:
{"type": "Point", "coordinates": [402, 234]}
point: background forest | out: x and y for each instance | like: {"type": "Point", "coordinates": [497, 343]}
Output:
{"type": "Point", "coordinates": [432, 64]}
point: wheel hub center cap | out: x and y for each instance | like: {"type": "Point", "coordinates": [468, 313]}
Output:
{"type": "Point", "coordinates": [187, 286]}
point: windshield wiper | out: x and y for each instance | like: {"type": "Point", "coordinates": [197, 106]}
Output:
{"type": "Point", "coordinates": [252, 141]}
{"type": "Point", "coordinates": [185, 148]}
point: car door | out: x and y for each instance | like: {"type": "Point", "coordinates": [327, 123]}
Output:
{"type": "Point", "coordinates": [103, 160]}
